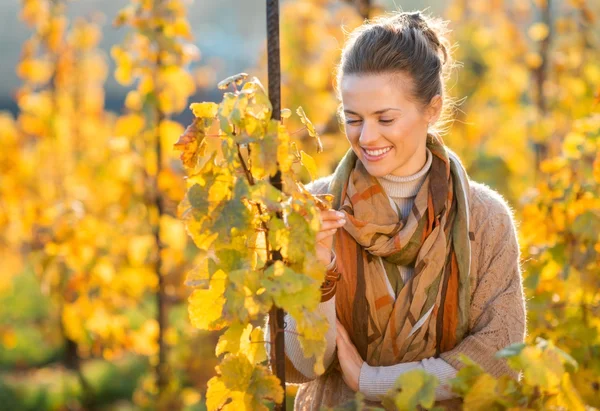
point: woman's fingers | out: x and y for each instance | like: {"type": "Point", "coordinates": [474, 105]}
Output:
{"type": "Point", "coordinates": [321, 235]}
{"type": "Point", "coordinates": [329, 224]}
{"type": "Point", "coordinates": [329, 215]}
{"type": "Point", "coordinates": [331, 220]}
{"type": "Point", "coordinates": [342, 331]}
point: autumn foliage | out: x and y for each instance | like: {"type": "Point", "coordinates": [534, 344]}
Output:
{"type": "Point", "coordinates": [151, 239]}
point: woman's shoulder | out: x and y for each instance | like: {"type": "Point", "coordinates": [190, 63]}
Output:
{"type": "Point", "coordinates": [492, 223]}
{"type": "Point", "coordinates": [320, 185]}
{"type": "Point", "coordinates": [488, 204]}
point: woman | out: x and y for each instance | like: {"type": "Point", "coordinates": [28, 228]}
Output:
{"type": "Point", "coordinates": [429, 259]}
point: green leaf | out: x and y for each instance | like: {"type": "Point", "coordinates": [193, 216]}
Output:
{"type": "Point", "coordinates": [417, 388]}
{"type": "Point", "coordinates": [466, 376]}
{"type": "Point", "coordinates": [311, 327]}
{"type": "Point", "coordinates": [245, 301]}
{"type": "Point", "coordinates": [263, 153]}
{"type": "Point", "coordinates": [199, 275]}
{"type": "Point", "coordinates": [224, 112]}
{"type": "Point", "coordinates": [511, 350]}
{"type": "Point", "coordinates": [232, 220]}
{"type": "Point", "coordinates": [231, 259]}
{"type": "Point", "coordinates": [238, 111]}
{"type": "Point", "coordinates": [290, 290]}
{"type": "Point", "coordinates": [279, 236]}
{"type": "Point", "coordinates": [268, 195]}
{"type": "Point", "coordinates": [302, 236]}
{"type": "Point", "coordinates": [198, 198]}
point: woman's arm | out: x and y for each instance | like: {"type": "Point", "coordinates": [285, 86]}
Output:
{"type": "Point", "coordinates": [298, 368]}
{"type": "Point", "coordinates": [497, 310]}
{"type": "Point", "coordinates": [376, 381]}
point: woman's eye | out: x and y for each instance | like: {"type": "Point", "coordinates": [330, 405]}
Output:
{"type": "Point", "coordinates": [385, 121]}
{"type": "Point", "coordinates": [352, 121]}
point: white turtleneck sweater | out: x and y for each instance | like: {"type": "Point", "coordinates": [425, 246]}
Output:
{"type": "Point", "coordinates": [374, 381]}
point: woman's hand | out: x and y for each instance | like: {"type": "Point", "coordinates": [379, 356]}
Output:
{"type": "Point", "coordinates": [348, 357]}
{"type": "Point", "coordinates": [331, 220]}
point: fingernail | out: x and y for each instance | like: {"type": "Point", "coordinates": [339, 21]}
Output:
{"type": "Point", "coordinates": [340, 214]}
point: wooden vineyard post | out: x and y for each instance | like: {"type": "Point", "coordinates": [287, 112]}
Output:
{"type": "Point", "coordinates": [276, 315]}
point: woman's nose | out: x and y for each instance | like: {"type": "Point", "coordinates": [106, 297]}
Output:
{"type": "Point", "coordinates": [367, 135]}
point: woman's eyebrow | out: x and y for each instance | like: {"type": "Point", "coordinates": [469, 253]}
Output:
{"type": "Point", "coordinates": [374, 113]}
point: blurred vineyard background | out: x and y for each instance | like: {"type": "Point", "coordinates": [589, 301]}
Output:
{"type": "Point", "coordinates": [93, 311]}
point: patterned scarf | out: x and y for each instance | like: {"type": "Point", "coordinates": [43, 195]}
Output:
{"type": "Point", "coordinates": [430, 312]}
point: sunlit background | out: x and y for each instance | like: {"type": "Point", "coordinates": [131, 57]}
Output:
{"type": "Point", "coordinates": [88, 217]}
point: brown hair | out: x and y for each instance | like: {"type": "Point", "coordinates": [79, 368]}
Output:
{"type": "Point", "coordinates": [408, 42]}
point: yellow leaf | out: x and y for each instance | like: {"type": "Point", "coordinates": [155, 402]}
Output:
{"type": "Point", "coordinates": [283, 149]}
{"type": "Point", "coordinates": [244, 385]}
{"type": "Point", "coordinates": [243, 340]}
{"type": "Point", "coordinates": [205, 109]}
{"type": "Point", "coordinates": [310, 127]}
{"type": "Point", "coordinates": [308, 162]}
{"type": "Point", "coordinates": [191, 144]}
{"type": "Point", "coordinates": [206, 306]}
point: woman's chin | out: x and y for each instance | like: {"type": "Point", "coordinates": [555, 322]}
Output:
{"type": "Point", "coordinates": [377, 170]}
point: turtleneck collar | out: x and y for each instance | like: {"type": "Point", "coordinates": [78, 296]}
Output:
{"type": "Point", "coordinates": [405, 186]}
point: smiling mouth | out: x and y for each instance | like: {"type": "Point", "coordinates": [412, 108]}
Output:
{"type": "Point", "coordinates": [379, 154]}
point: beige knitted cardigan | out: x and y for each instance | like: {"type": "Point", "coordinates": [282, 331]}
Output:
{"type": "Point", "coordinates": [497, 310]}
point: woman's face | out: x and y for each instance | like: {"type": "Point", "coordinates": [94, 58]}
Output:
{"type": "Point", "coordinates": [379, 115]}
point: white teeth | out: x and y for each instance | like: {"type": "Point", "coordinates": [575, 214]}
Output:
{"type": "Point", "coordinates": [378, 152]}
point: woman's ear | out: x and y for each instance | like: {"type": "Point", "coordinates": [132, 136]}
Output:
{"type": "Point", "coordinates": [434, 110]}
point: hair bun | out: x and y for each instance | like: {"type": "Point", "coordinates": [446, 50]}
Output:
{"type": "Point", "coordinates": [433, 29]}
{"type": "Point", "coordinates": [416, 15]}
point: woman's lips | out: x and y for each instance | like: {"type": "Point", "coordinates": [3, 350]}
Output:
{"type": "Point", "coordinates": [375, 158]}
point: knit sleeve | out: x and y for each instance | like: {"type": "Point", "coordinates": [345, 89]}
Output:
{"type": "Point", "coordinates": [497, 316]}
{"type": "Point", "coordinates": [375, 381]}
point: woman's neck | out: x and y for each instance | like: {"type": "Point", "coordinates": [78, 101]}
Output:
{"type": "Point", "coordinates": [406, 186]}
